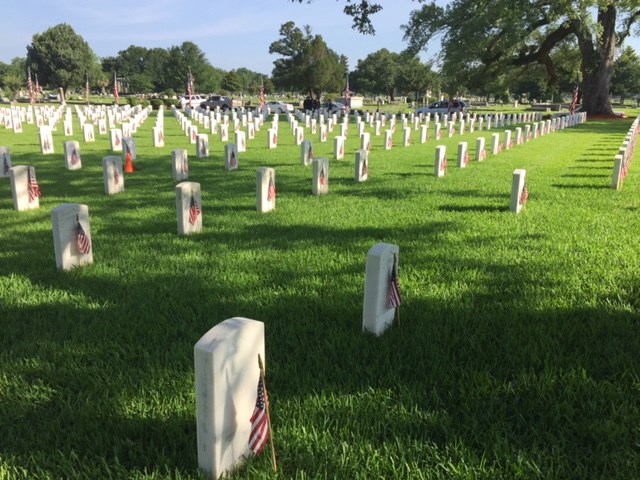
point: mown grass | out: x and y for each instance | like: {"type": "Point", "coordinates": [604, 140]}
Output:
{"type": "Point", "coordinates": [517, 355]}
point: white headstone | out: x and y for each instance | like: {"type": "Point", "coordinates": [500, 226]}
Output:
{"type": "Point", "coordinates": [272, 138]}
{"type": "Point", "coordinates": [519, 139]}
{"type": "Point", "coordinates": [226, 380]}
{"type": "Point", "coordinates": [441, 161]}
{"type": "Point", "coordinates": [116, 140]}
{"type": "Point", "coordinates": [481, 151]}
{"type": "Point", "coordinates": [24, 187]}
{"type": "Point", "coordinates": [224, 133]}
{"type": "Point", "coordinates": [463, 154]}
{"type": "Point", "coordinates": [362, 166]}
{"type": "Point", "coordinates": [406, 136]}
{"type": "Point", "coordinates": [519, 191]}
{"type": "Point", "coordinates": [365, 141]}
{"type": "Point", "coordinates": [72, 155]}
{"type": "Point", "coordinates": [438, 131]}
{"type": "Point", "coordinates": [46, 140]}
{"type": "Point", "coordinates": [189, 208]}
{"type": "Point", "coordinates": [320, 185]}
{"type": "Point", "coordinates": [323, 133]}
{"type": "Point", "coordinates": [180, 164]}
{"type": "Point", "coordinates": [158, 137]}
{"type": "Point", "coordinates": [202, 146]}
{"type": "Point", "coordinates": [306, 153]}
{"type": "Point", "coordinates": [112, 175]}
{"type": "Point", "coordinates": [495, 143]}
{"type": "Point", "coordinates": [508, 141]}
{"type": "Point", "coordinates": [378, 312]}
{"type": "Point", "coordinates": [71, 235]}
{"type": "Point", "coordinates": [338, 147]}
{"type": "Point", "coordinates": [241, 141]}
{"type": "Point", "coordinates": [619, 172]}
{"type": "Point", "coordinates": [265, 189]}
{"type": "Point", "coordinates": [231, 156]}
{"type": "Point", "coordinates": [388, 139]}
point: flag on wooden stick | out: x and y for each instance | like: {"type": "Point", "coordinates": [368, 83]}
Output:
{"type": "Point", "coordinates": [82, 239]}
{"type": "Point", "coordinates": [271, 191]}
{"type": "Point", "coordinates": [394, 291]}
{"type": "Point", "coordinates": [194, 210]}
{"type": "Point", "coordinates": [33, 187]}
{"type": "Point", "coordinates": [261, 430]}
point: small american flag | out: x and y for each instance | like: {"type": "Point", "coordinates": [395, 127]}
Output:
{"type": "Point", "coordinates": [116, 95]}
{"type": "Point", "coordinates": [524, 195]}
{"type": "Point", "coordinates": [323, 178]}
{"type": "Point", "coordinates": [365, 169]}
{"type": "Point", "coordinates": [394, 292]}
{"type": "Point", "coordinates": [259, 425]}
{"type": "Point", "coordinates": [189, 86]}
{"type": "Point", "coordinates": [82, 240]}
{"type": "Point", "coordinates": [117, 140]}
{"type": "Point", "coordinates": [310, 154]}
{"type": "Point", "coordinates": [574, 100]}
{"type": "Point", "coordinates": [275, 139]}
{"type": "Point", "coordinates": [185, 166]}
{"type": "Point", "coordinates": [74, 157]}
{"type": "Point", "coordinates": [466, 158]}
{"type": "Point", "coordinates": [261, 95]}
{"type": "Point", "coordinates": [33, 187]}
{"type": "Point", "coordinates": [30, 86]}
{"type": "Point", "coordinates": [233, 161]}
{"type": "Point", "coordinates": [87, 89]}
{"type": "Point", "coordinates": [483, 154]}
{"type": "Point", "coordinates": [194, 211]}
{"type": "Point", "coordinates": [443, 165]}
{"type": "Point", "coordinates": [116, 174]}
{"type": "Point", "coordinates": [271, 191]}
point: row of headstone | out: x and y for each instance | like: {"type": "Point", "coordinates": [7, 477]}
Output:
{"type": "Point", "coordinates": [622, 160]}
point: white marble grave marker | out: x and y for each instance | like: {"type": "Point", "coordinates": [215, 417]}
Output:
{"type": "Point", "coordinates": [180, 164]}
{"type": "Point", "coordinates": [158, 137]}
{"type": "Point", "coordinates": [406, 136]}
{"type": "Point", "coordinates": [362, 166]}
{"type": "Point", "coordinates": [265, 189]}
{"type": "Point", "coordinates": [226, 380]}
{"type": "Point", "coordinates": [46, 140]}
{"type": "Point", "coordinates": [71, 235]}
{"type": "Point", "coordinates": [338, 147]}
{"type": "Point", "coordinates": [441, 161]}
{"type": "Point", "coordinates": [112, 175]}
{"type": "Point", "coordinates": [519, 190]}
{"type": "Point", "coordinates": [306, 153]}
{"type": "Point", "coordinates": [231, 156]}
{"type": "Point", "coordinates": [24, 188]}
{"type": "Point", "coordinates": [272, 138]}
{"type": "Point", "coordinates": [495, 144]}
{"type": "Point", "coordinates": [72, 155]}
{"type": "Point", "coordinates": [388, 139]}
{"type": "Point", "coordinates": [202, 146]}
{"type": "Point", "coordinates": [463, 154]}
{"type": "Point", "coordinates": [365, 141]}
{"type": "Point", "coordinates": [224, 132]}
{"type": "Point", "coordinates": [481, 151]}
{"type": "Point", "coordinates": [241, 141]}
{"type": "Point", "coordinates": [323, 133]}
{"type": "Point", "coordinates": [381, 297]}
{"type": "Point", "coordinates": [188, 208]}
{"type": "Point", "coordinates": [116, 140]}
{"type": "Point", "coordinates": [320, 185]}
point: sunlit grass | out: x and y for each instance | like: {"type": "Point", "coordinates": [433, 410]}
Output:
{"type": "Point", "coordinates": [517, 355]}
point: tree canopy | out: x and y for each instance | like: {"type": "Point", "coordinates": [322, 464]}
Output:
{"type": "Point", "coordinates": [61, 58]}
{"type": "Point", "coordinates": [307, 64]}
{"type": "Point", "coordinates": [491, 36]}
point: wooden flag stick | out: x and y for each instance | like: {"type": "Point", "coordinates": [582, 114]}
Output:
{"type": "Point", "coordinates": [266, 400]}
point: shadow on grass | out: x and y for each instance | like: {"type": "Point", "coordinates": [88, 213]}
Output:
{"type": "Point", "coordinates": [591, 186]}
{"type": "Point", "coordinates": [473, 208]}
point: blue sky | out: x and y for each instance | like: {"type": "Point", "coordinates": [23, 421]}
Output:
{"type": "Point", "coordinates": [232, 34]}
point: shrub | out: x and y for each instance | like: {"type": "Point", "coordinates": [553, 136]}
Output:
{"type": "Point", "coordinates": [133, 101]}
{"type": "Point", "coordinates": [169, 93]}
{"type": "Point", "coordinates": [156, 102]}
{"type": "Point", "coordinates": [170, 102]}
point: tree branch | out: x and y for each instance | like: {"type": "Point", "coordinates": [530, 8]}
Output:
{"type": "Point", "coordinates": [628, 23]}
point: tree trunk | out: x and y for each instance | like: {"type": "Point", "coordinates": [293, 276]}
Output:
{"type": "Point", "coordinates": [597, 65]}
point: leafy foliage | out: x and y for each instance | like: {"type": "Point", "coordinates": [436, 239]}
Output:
{"type": "Point", "coordinates": [626, 74]}
{"type": "Point", "coordinates": [308, 64]}
{"type": "Point", "coordinates": [61, 58]}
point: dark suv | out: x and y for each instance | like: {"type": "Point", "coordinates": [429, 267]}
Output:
{"type": "Point", "coordinates": [225, 103]}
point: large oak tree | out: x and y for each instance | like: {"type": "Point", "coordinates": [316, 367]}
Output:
{"type": "Point", "coordinates": [500, 34]}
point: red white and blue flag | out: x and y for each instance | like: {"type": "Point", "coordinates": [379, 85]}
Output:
{"type": "Point", "coordinates": [194, 211]}
{"type": "Point", "coordinates": [82, 240]}
{"type": "Point", "coordinates": [33, 187]}
{"type": "Point", "coordinates": [259, 422]}
{"type": "Point", "coordinates": [574, 100]}
{"type": "Point", "coordinates": [189, 86]}
{"type": "Point", "coordinates": [116, 94]}
{"type": "Point", "coordinates": [30, 86]}
{"type": "Point", "coordinates": [524, 195]}
{"type": "Point", "coordinates": [261, 95]}
{"type": "Point", "coordinates": [394, 292]}
{"type": "Point", "coordinates": [271, 190]}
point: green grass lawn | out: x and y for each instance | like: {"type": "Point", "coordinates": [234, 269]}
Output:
{"type": "Point", "coordinates": [517, 357]}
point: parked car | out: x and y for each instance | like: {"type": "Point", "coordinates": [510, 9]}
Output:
{"type": "Point", "coordinates": [195, 101]}
{"type": "Point", "coordinates": [278, 107]}
{"type": "Point", "coordinates": [442, 107]}
{"type": "Point", "coordinates": [225, 103]}
{"type": "Point", "coordinates": [335, 107]}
